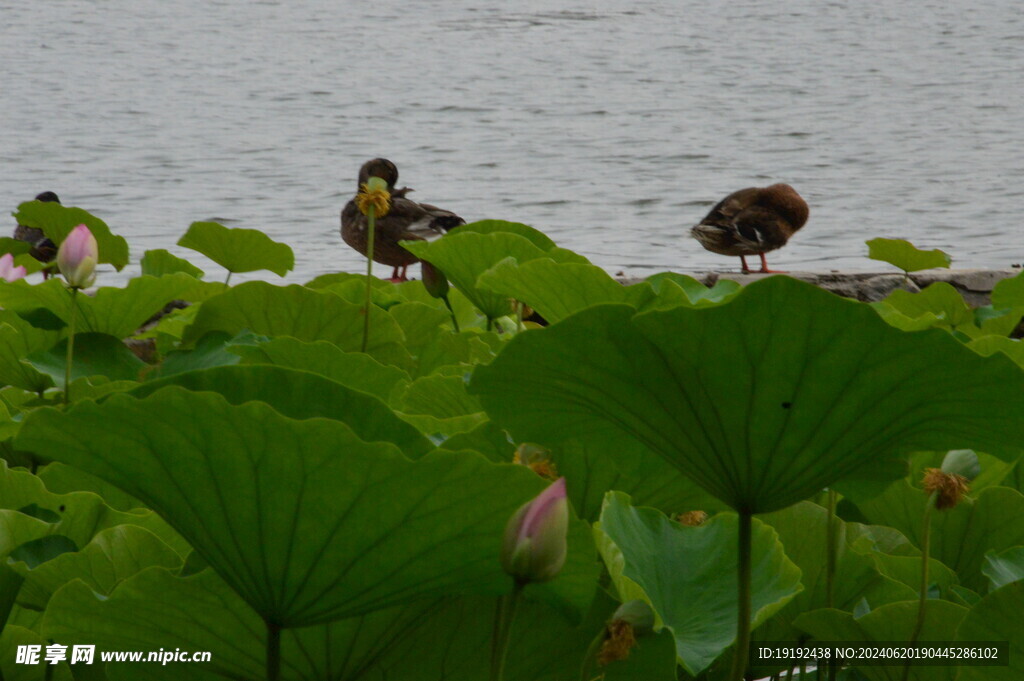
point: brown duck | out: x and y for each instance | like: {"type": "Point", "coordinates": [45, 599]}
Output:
{"type": "Point", "coordinates": [42, 249]}
{"type": "Point", "coordinates": [406, 220]}
{"type": "Point", "coordinates": [752, 221]}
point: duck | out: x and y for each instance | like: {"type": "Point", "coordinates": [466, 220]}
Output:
{"type": "Point", "coordinates": [752, 221]}
{"type": "Point", "coordinates": [406, 221]}
{"type": "Point", "coordinates": [42, 249]}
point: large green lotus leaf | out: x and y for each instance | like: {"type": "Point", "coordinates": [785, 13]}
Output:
{"type": "Point", "coordinates": [96, 354]}
{"type": "Point", "coordinates": [237, 249]}
{"type": "Point", "coordinates": [535, 236]}
{"type": "Point", "coordinates": [465, 256]}
{"type": "Point", "coordinates": [688, 574]}
{"type": "Point", "coordinates": [19, 339]}
{"type": "Point", "coordinates": [1004, 567]}
{"type": "Point", "coordinates": [889, 623]}
{"type": "Point", "coordinates": [996, 618]}
{"type": "Point", "coordinates": [155, 609]}
{"type": "Point", "coordinates": [81, 514]}
{"type": "Point", "coordinates": [289, 391]}
{"type": "Point", "coordinates": [763, 401]}
{"type": "Point", "coordinates": [1009, 293]}
{"type": "Point", "coordinates": [802, 529]}
{"type": "Point", "coordinates": [112, 556]}
{"type": "Point", "coordinates": [292, 311]}
{"type": "Point", "coordinates": [306, 521]}
{"type": "Point", "coordinates": [57, 221]}
{"type": "Point", "coordinates": [559, 289]}
{"type": "Point", "coordinates": [905, 255]}
{"type": "Point", "coordinates": [160, 261]}
{"type": "Point", "coordinates": [116, 311]}
{"type": "Point", "coordinates": [960, 537]}
{"type": "Point", "coordinates": [353, 369]}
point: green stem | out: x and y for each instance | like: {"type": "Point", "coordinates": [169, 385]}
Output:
{"type": "Point", "coordinates": [447, 303]}
{"type": "Point", "coordinates": [489, 323]}
{"type": "Point", "coordinates": [71, 346]}
{"type": "Point", "coordinates": [227, 281]}
{"type": "Point", "coordinates": [504, 621]}
{"type": "Point", "coordinates": [741, 652]}
{"type": "Point", "coordinates": [273, 652]}
{"type": "Point", "coordinates": [803, 670]}
{"type": "Point", "coordinates": [922, 602]}
{"type": "Point", "coordinates": [519, 316]}
{"type": "Point", "coordinates": [371, 219]}
{"type": "Point", "coordinates": [830, 550]}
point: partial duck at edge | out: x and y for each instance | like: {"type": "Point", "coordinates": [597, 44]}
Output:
{"type": "Point", "coordinates": [42, 249]}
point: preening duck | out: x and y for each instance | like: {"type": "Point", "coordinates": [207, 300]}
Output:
{"type": "Point", "coordinates": [406, 220]}
{"type": "Point", "coordinates": [752, 221]}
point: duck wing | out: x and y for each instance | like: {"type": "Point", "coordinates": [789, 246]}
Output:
{"type": "Point", "coordinates": [410, 220]}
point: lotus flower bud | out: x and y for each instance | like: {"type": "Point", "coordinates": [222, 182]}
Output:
{"type": "Point", "coordinates": [77, 257]}
{"type": "Point", "coordinates": [535, 538]}
{"type": "Point", "coordinates": [8, 272]}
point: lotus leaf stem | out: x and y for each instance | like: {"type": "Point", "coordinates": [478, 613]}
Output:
{"type": "Point", "coordinates": [922, 602]}
{"type": "Point", "coordinates": [273, 651]}
{"type": "Point", "coordinates": [831, 536]}
{"type": "Point", "coordinates": [741, 652]}
{"type": "Point", "coordinates": [504, 619]}
{"type": "Point", "coordinates": [71, 346]}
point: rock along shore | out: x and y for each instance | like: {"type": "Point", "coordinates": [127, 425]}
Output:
{"type": "Point", "coordinates": [974, 285]}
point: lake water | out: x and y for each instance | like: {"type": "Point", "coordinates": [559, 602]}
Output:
{"type": "Point", "coordinates": [611, 126]}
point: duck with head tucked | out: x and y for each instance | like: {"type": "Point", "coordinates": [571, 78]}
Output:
{"type": "Point", "coordinates": [42, 249]}
{"type": "Point", "coordinates": [405, 220]}
{"type": "Point", "coordinates": [752, 221]}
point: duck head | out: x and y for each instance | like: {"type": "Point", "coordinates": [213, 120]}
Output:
{"type": "Point", "coordinates": [379, 167]}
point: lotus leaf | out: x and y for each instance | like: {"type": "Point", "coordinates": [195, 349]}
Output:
{"type": "Point", "coordinates": [763, 401]}
{"type": "Point", "coordinates": [238, 250]}
{"type": "Point", "coordinates": [306, 521]}
{"type": "Point", "coordinates": [688, 574]}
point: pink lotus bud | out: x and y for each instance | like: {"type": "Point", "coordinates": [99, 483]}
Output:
{"type": "Point", "coordinates": [535, 537]}
{"type": "Point", "coordinates": [7, 269]}
{"type": "Point", "coordinates": [77, 257]}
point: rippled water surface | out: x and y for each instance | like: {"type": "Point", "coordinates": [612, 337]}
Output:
{"type": "Point", "coordinates": [612, 126]}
